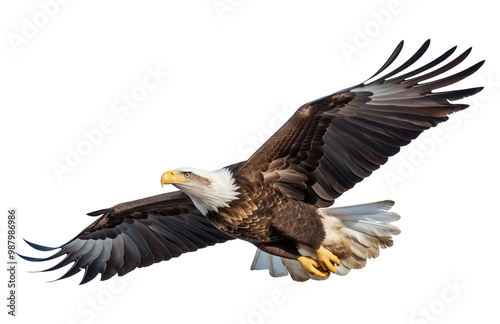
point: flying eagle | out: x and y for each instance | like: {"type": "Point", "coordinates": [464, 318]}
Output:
{"type": "Point", "coordinates": [280, 198]}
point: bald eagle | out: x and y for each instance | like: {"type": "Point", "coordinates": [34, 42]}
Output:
{"type": "Point", "coordinates": [280, 198]}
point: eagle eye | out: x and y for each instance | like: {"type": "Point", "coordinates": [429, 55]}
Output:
{"type": "Point", "coordinates": [187, 174]}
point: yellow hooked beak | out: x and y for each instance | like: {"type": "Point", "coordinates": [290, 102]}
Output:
{"type": "Point", "coordinates": [173, 176]}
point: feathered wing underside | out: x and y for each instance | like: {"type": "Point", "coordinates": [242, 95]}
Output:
{"type": "Point", "coordinates": [334, 142]}
{"type": "Point", "coordinates": [133, 235]}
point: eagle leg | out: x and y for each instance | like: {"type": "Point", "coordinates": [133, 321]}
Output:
{"type": "Point", "coordinates": [327, 259]}
{"type": "Point", "coordinates": [312, 266]}
{"type": "Point", "coordinates": [325, 262]}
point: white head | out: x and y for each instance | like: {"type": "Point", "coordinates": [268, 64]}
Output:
{"type": "Point", "coordinates": [209, 191]}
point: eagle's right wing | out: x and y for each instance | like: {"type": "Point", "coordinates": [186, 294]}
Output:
{"type": "Point", "coordinates": [135, 234]}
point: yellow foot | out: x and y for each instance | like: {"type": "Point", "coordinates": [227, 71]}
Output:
{"type": "Point", "coordinates": [312, 266]}
{"type": "Point", "coordinates": [327, 259]}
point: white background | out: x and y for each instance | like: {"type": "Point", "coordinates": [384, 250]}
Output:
{"type": "Point", "coordinates": [236, 71]}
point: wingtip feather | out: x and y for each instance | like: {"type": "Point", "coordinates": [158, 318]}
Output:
{"type": "Point", "coordinates": [27, 258]}
{"type": "Point", "coordinates": [40, 247]}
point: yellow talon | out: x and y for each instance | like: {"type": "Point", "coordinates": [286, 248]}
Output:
{"type": "Point", "coordinates": [312, 266]}
{"type": "Point", "coordinates": [327, 259]}
{"type": "Point", "coordinates": [321, 267]}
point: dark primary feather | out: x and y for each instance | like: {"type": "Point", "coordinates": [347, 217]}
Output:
{"type": "Point", "coordinates": [133, 235]}
{"type": "Point", "coordinates": [340, 139]}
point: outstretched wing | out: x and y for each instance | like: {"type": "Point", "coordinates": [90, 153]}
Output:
{"type": "Point", "coordinates": [135, 234]}
{"type": "Point", "coordinates": [334, 142]}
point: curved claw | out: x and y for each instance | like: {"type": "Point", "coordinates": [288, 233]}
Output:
{"type": "Point", "coordinates": [312, 266]}
{"type": "Point", "coordinates": [327, 259]}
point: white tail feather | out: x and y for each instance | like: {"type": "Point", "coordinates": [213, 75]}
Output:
{"type": "Point", "coordinates": [366, 228]}
{"type": "Point", "coordinates": [263, 260]}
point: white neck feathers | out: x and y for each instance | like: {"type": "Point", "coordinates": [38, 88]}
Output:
{"type": "Point", "coordinates": [217, 194]}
